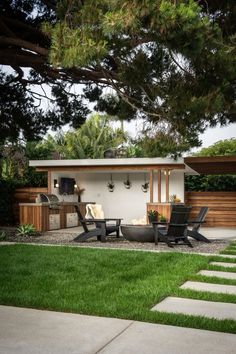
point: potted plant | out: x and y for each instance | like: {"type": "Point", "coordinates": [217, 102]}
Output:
{"type": "Point", "coordinates": [174, 199]}
{"type": "Point", "coordinates": [161, 218]}
{"type": "Point", "coordinates": [152, 215]}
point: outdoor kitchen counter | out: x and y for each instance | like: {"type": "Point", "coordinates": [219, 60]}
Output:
{"type": "Point", "coordinates": [46, 217]}
{"type": "Point", "coordinates": [48, 204]}
{"type": "Point", "coordinates": [33, 204]}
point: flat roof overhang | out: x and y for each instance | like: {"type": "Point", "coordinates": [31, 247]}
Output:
{"type": "Point", "coordinates": [105, 168]}
{"type": "Point", "coordinates": [104, 165]}
{"type": "Point", "coordinates": [212, 165]}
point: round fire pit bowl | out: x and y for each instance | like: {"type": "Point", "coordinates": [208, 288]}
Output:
{"type": "Point", "coordinates": [138, 233]}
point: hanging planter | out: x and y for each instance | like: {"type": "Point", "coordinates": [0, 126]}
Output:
{"type": "Point", "coordinates": [145, 186]}
{"type": "Point", "coordinates": [111, 185]}
{"type": "Point", "coordinates": [127, 183]}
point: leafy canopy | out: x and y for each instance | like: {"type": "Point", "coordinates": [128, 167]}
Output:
{"type": "Point", "coordinates": [169, 61]}
{"type": "Point", "coordinates": [220, 148]}
{"type": "Point", "coordinates": [91, 140]}
{"type": "Point", "coordinates": [22, 118]}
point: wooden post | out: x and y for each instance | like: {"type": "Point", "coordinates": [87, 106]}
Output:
{"type": "Point", "coordinates": [49, 182]}
{"type": "Point", "coordinates": [151, 185]}
{"type": "Point", "coordinates": [159, 186]}
{"type": "Point", "coordinates": [167, 173]}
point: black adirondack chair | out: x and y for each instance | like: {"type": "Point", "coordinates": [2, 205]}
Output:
{"type": "Point", "coordinates": [176, 229]}
{"type": "Point", "coordinates": [101, 230]}
{"type": "Point", "coordinates": [194, 232]}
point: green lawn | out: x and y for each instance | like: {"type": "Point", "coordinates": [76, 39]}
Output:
{"type": "Point", "coordinates": [231, 249]}
{"type": "Point", "coordinates": [123, 284]}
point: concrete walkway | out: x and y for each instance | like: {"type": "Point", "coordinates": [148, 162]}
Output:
{"type": "Point", "coordinates": [44, 332]}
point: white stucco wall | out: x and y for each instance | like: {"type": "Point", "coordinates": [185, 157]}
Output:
{"type": "Point", "coordinates": [121, 203]}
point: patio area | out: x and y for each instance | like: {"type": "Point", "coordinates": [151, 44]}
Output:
{"type": "Point", "coordinates": [220, 238]}
{"type": "Point", "coordinates": [216, 233]}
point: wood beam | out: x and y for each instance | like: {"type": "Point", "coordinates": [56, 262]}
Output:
{"type": "Point", "coordinates": [151, 185]}
{"type": "Point", "coordinates": [167, 173]}
{"type": "Point", "coordinates": [49, 182]}
{"type": "Point", "coordinates": [159, 186]}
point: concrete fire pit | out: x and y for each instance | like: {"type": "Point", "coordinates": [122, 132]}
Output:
{"type": "Point", "coordinates": [138, 233]}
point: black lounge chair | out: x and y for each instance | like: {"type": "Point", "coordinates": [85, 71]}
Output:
{"type": "Point", "coordinates": [101, 230]}
{"type": "Point", "coordinates": [194, 232]}
{"type": "Point", "coordinates": [176, 229]}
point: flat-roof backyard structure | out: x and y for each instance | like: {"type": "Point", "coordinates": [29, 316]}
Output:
{"type": "Point", "coordinates": [152, 182]}
{"type": "Point", "coordinates": [163, 177]}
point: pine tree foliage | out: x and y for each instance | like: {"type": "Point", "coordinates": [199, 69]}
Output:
{"type": "Point", "coordinates": [170, 62]}
{"type": "Point", "coordinates": [22, 118]}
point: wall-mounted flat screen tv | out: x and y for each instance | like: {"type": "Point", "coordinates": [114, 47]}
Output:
{"type": "Point", "coordinates": [66, 186]}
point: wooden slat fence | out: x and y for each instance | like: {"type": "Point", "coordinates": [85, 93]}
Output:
{"type": "Point", "coordinates": [25, 195]}
{"type": "Point", "coordinates": [222, 207]}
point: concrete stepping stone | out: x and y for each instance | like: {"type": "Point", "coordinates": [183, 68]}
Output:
{"type": "Point", "coordinates": [223, 264]}
{"type": "Point", "coordinates": [226, 255]}
{"type": "Point", "coordinates": [218, 310]}
{"type": "Point", "coordinates": [219, 274]}
{"type": "Point", "coordinates": [209, 287]}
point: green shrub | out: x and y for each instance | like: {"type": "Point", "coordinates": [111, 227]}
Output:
{"type": "Point", "coordinates": [26, 230]}
{"type": "Point", "coordinates": [3, 236]}
{"type": "Point", "coordinates": [225, 183]}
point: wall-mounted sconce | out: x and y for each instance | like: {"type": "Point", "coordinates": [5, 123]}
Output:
{"type": "Point", "coordinates": [55, 183]}
{"type": "Point", "coordinates": [75, 185]}
{"type": "Point", "coordinates": [127, 183]}
{"type": "Point", "coordinates": [145, 186]}
{"type": "Point", "coordinates": [111, 185]}
{"type": "Point", "coordinates": [167, 172]}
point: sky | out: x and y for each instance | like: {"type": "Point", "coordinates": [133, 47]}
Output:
{"type": "Point", "coordinates": [212, 135]}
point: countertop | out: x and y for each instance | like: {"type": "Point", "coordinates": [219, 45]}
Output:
{"type": "Point", "coordinates": [59, 203]}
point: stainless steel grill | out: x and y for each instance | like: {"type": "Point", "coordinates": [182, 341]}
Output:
{"type": "Point", "coordinates": [51, 199]}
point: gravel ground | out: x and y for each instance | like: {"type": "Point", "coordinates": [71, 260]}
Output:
{"type": "Point", "coordinates": [112, 242]}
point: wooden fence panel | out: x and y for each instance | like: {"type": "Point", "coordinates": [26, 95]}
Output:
{"type": "Point", "coordinates": [25, 195]}
{"type": "Point", "coordinates": [222, 207]}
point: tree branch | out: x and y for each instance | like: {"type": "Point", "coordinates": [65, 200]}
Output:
{"type": "Point", "coordinates": [17, 26]}
{"type": "Point", "coordinates": [131, 100]}
{"type": "Point", "coordinates": [40, 95]}
{"type": "Point", "coordinates": [22, 43]}
{"type": "Point", "coordinates": [179, 66]}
